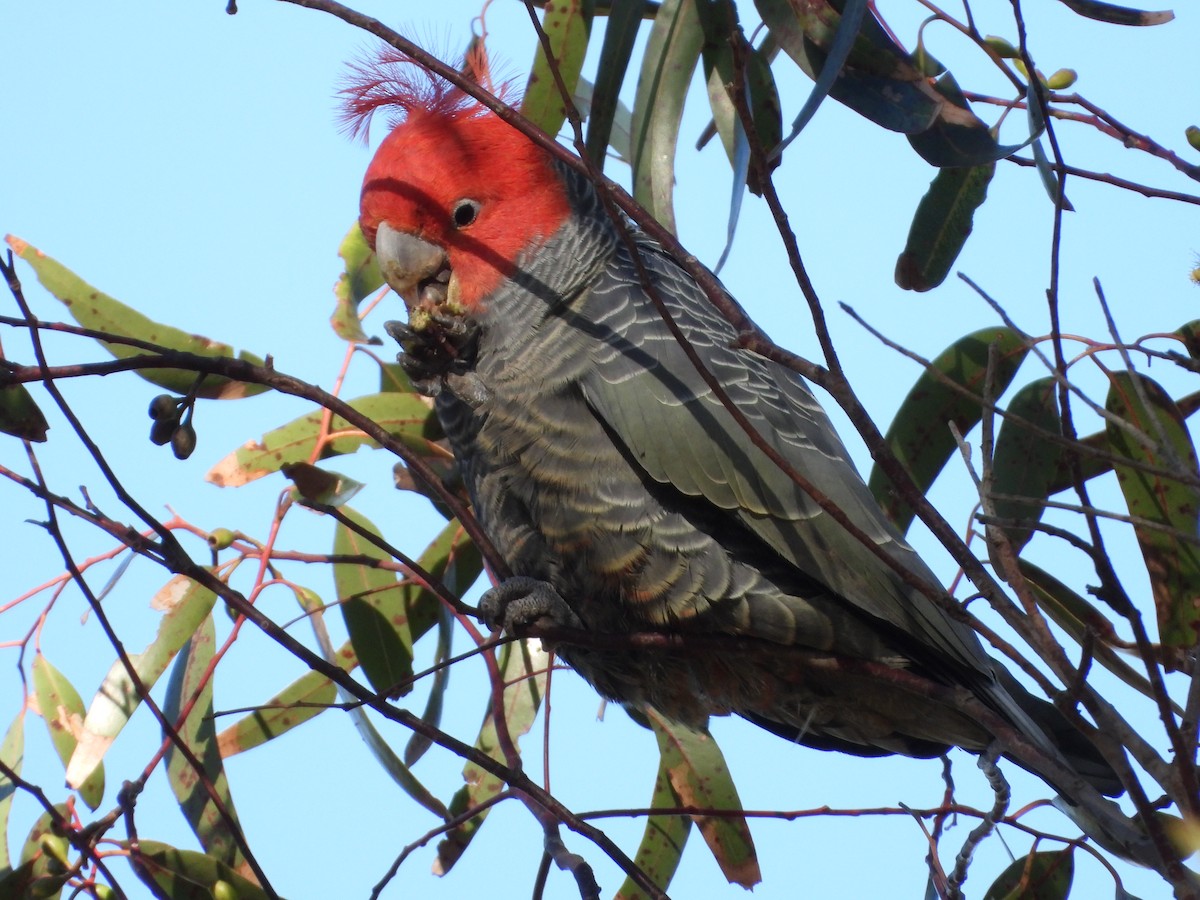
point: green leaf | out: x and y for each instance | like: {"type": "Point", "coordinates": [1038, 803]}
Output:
{"type": "Point", "coordinates": [217, 832]}
{"type": "Point", "coordinates": [450, 557]}
{"type": "Point", "coordinates": [62, 709]}
{"type": "Point", "coordinates": [847, 33]}
{"type": "Point", "coordinates": [1047, 175]}
{"type": "Point", "coordinates": [1189, 336]}
{"type": "Point", "coordinates": [699, 776]}
{"type": "Point", "coordinates": [432, 714]}
{"type": "Point", "coordinates": [620, 32]}
{"type": "Point", "coordinates": [40, 867]}
{"type": "Point", "coordinates": [12, 754]}
{"type": "Point", "coordinates": [568, 24]}
{"type": "Point", "coordinates": [375, 610]}
{"type": "Point", "coordinates": [15, 882]}
{"type": "Point", "coordinates": [1077, 617]}
{"type": "Point", "coordinates": [1038, 876]}
{"type": "Point", "coordinates": [670, 59]}
{"type": "Point", "coordinates": [663, 840]}
{"type": "Point", "coordinates": [381, 750]}
{"type": "Point", "coordinates": [393, 379]}
{"type": "Point", "coordinates": [96, 310]}
{"type": "Point", "coordinates": [281, 713]}
{"type": "Point", "coordinates": [320, 486]}
{"type": "Point", "coordinates": [1024, 463]}
{"type": "Point", "coordinates": [408, 417]}
{"type": "Point", "coordinates": [1160, 438]}
{"type": "Point", "coordinates": [942, 223]}
{"type": "Point", "coordinates": [762, 97]}
{"type": "Point", "coordinates": [188, 875]}
{"type": "Point", "coordinates": [1117, 15]}
{"type": "Point", "coordinates": [879, 81]}
{"type": "Point", "coordinates": [453, 559]}
{"type": "Point", "coordinates": [919, 436]}
{"type": "Point", "coordinates": [305, 698]}
{"type": "Point", "coordinates": [359, 279]}
{"type": "Point", "coordinates": [523, 668]}
{"type": "Point", "coordinates": [187, 604]}
{"type": "Point", "coordinates": [20, 415]}
{"type": "Point", "coordinates": [959, 137]}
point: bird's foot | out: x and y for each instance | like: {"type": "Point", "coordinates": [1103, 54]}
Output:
{"type": "Point", "coordinates": [442, 345]}
{"type": "Point", "coordinates": [521, 601]}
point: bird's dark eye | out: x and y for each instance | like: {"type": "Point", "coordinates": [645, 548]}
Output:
{"type": "Point", "coordinates": [465, 212]}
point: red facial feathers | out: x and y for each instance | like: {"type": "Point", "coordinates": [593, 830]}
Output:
{"type": "Point", "coordinates": [446, 148]}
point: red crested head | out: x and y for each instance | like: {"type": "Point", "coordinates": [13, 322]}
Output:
{"type": "Point", "coordinates": [452, 174]}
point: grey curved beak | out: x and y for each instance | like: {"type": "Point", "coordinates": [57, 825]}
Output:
{"type": "Point", "coordinates": [406, 261]}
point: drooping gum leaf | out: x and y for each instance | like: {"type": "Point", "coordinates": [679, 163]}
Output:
{"type": "Point", "coordinates": [1076, 616]}
{"type": "Point", "coordinates": [453, 559]}
{"type": "Point", "coordinates": [188, 875]}
{"type": "Point", "coordinates": [1035, 113]}
{"type": "Point", "coordinates": [16, 882]}
{"type": "Point", "coordinates": [359, 279]}
{"type": "Point", "coordinates": [845, 36]}
{"type": "Point", "coordinates": [38, 866]}
{"type": "Point", "coordinates": [375, 610]}
{"type": "Point", "coordinates": [620, 32]}
{"type": "Point", "coordinates": [699, 776]}
{"type": "Point", "coordinates": [620, 136]}
{"type": "Point", "coordinates": [761, 98]}
{"type": "Point", "coordinates": [663, 840]}
{"type": "Point", "coordinates": [1092, 465]}
{"type": "Point", "coordinates": [419, 743]}
{"type": "Point", "coordinates": [523, 668]}
{"type": "Point", "coordinates": [380, 749]}
{"type": "Point", "coordinates": [187, 605]}
{"type": "Point", "coordinates": [304, 699]}
{"type": "Point", "coordinates": [919, 435]}
{"type": "Point", "coordinates": [408, 417]}
{"type": "Point", "coordinates": [671, 55]}
{"type": "Point", "coordinates": [12, 754]}
{"type": "Point", "coordinates": [959, 137]}
{"type": "Point", "coordinates": [1024, 463]}
{"type": "Point", "coordinates": [20, 415]}
{"type": "Point", "coordinates": [1172, 556]}
{"type": "Point", "coordinates": [1038, 876]}
{"type": "Point", "coordinates": [62, 709]}
{"type": "Point", "coordinates": [941, 225]}
{"type": "Point", "coordinates": [568, 24]}
{"type": "Point", "coordinates": [1117, 15]}
{"type": "Point", "coordinates": [94, 309]}
{"type": "Point", "coordinates": [1047, 175]}
{"type": "Point", "coordinates": [879, 82]}
{"type": "Point", "coordinates": [215, 831]}
{"type": "Point", "coordinates": [300, 701]}
{"type": "Point", "coordinates": [450, 557]}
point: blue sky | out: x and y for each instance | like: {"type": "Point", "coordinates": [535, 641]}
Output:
{"type": "Point", "coordinates": [189, 163]}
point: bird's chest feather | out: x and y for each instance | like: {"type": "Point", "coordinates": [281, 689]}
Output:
{"type": "Point", "coordinates": [553, 492]}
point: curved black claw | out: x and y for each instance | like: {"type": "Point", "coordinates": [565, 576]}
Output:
{"type": "Point", "coordinates": [519, 601]}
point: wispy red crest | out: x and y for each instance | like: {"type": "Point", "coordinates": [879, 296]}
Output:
{"type": "Point", "coordinates": [394, 84]}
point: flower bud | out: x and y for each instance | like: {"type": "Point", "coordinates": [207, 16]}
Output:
{"type": "Point", "coordinates": [183, 441]}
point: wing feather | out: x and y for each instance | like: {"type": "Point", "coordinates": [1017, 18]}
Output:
{"type": "Point", "coordinates": [649, 394]}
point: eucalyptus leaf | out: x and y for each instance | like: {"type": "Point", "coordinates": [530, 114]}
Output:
{"type": "Point", "coordinates": [670, 59]}
{"type": "Point", "coordinates": [700, 777]}
{"type": "Point", "coordinates": [63, 711]}
{"type": "Point", "coordinates": [94, 309]}
{"type": "Point", "coordinates": [949, 391]}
